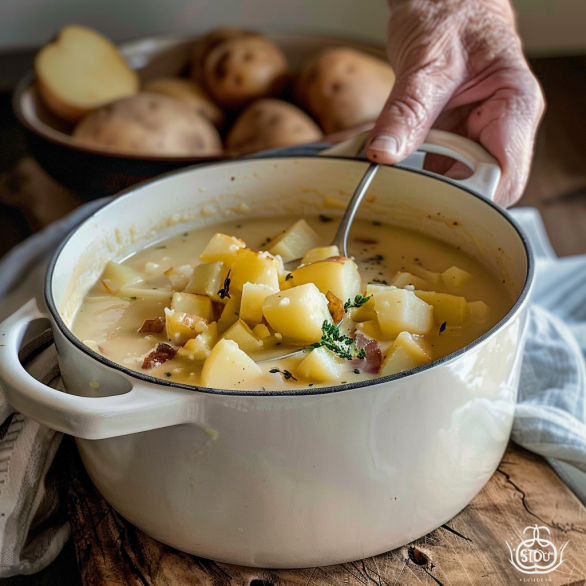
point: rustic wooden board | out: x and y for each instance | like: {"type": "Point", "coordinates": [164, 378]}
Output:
{"type": "Point", "coordinates": [468, 550]}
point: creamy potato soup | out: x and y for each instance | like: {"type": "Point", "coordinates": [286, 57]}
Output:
{"type": "Point", "coordinates": [220, 306]}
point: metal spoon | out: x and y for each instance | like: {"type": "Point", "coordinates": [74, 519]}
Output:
{"type": "Point", "coordinates": [341, 238]}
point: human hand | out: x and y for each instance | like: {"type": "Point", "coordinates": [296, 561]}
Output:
{"type": "Point", "coordinates": [460, 68]}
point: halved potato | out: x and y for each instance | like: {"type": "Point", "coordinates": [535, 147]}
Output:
{"type": "Point", "coordinates": [81, 71]}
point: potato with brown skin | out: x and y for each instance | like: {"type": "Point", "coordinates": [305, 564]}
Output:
{"type": "Point", "coordinates": [271, 123]}
{"type": "Point", "coordinates": [189, 92]}
{"type": "Point", "coordinates": [243, 69]}
{"type": "Point", "coordinates": [208, 43]}
{"type": "Point", "coordinates": [343, 88]}
{"type": "Point", "coordinates": [149, 124]}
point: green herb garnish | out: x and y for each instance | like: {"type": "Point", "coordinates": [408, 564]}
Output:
{"type": "Point", "coordinates": [342, 346]}
{"type": "Point", "coordinates": [359, 301]}
{"type": "Point", "coordinates": [159, 247]}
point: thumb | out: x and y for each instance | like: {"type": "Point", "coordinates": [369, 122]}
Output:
{"type": "Point", "coordinates": [415, 102]}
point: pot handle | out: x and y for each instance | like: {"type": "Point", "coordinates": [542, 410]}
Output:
{"type": "Point", "coordinates": [486, 171]}
{"type": "Point", "coordinates": [145, 407]}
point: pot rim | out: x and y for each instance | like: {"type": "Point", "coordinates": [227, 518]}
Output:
{"type": "Point", "coordinates": [513, 311]}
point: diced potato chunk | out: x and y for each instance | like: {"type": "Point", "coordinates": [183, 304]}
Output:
{"type": "Point", "coordinates": [455, 278]}
{"type": "Point", "coordinates": [448, 308]}
{"type": "Point", "coordinates": [200, 347]}
{"type": "Point", "coordinates": [208, 279]}
{"type": "Point", "coordinates": [404, 354]}
{"type": "Point", "coordinates": [179, 276]}
{"type": "Point", "coordinates": [228, 367]}
{"type": "Point", "coordinates": [191, 303]}
{"type": "Point", "coordinates": [298, 313]}
{"type": "Point", "coordinates": [371, 329]}
{"type": "Point", "coordinates": [320, 366]}
{"type": "Point", "coordinates": [320, 253]}
{"type": "Point", "coordinates": [117, 275]}
{"type": "Point", "coordinates": [365, 312]}
{"type": "Point", "coordinates": [423, 273]}
{"type": "Point", "coordinates": [402, 279]}
{"type": "Point", "coordinates": [401, 310]}
{"type": "Point", "coordinates": [231, 313]}
{"type": "Point", "coordinates": [253, 296]}
{"type": "Point", "coordinates": [338, 274]}
{"type": "Point", "coordinates": [148, 294]}
{"type": "Point", "coordinates": [254, 267]}
{"type": "Point", "coordinates": [479, 311]}
{"type": "Point", "coordinates": [182, 326]}
{"type": "Point", "coordinates": [222, 248]}
{"type": "Point", "coordinates": [295, 241]}
{"type": "Point", "coordinates": [261, 331]}
{"type": "Point", "coordinates": [243, 336]}
{"type": "Point", "coordinates": [372, 288]}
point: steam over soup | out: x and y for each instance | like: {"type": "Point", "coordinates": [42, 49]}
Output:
{"type": "Point", "coordinates": [205, 307]}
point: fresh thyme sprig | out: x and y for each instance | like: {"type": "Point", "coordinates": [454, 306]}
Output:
{"type": "Point", "coordinates": [286, 374]}
{"type": "Point", "coordinates": [342, 346]}
{"type": "Point", "coordinates": [225, 290]}
{"type": "Point", "coordinates": [359, 301]}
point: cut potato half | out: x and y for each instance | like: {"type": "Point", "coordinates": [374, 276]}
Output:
{"type": "Point", "coordinates": [81, 71]}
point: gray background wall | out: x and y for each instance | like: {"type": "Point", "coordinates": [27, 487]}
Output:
{"type": "Point", "coordinates": [547, 26]}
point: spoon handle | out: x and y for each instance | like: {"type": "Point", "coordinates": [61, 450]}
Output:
{"type": "Point", "coordinates": [341, 237]}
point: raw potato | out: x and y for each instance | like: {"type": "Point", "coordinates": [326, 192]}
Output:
{"type": "Point", "coordinates": [81, 71]}
{"type": "Point", "coordinates": [343, 88]}
{"type": "Point", "coordinates": [294, 242]}
{"type": "Point", "coordinates": [271, 123]}
{"type": "Point", "coordinates": [149, 124]}
{"type": "Point", "coordinates": [190, 93]}
{"type": "Point", "coordinates": [228, 367]}
{"type": "Point", "coordinates": [208, 43]}
{"type": "Point", "coordinates": [298, 313]}
{"type": "Point", "coordinates": [243, 69]}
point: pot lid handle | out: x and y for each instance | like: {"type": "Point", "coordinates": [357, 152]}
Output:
{"type": "Point", "coordinates": [486, 172]}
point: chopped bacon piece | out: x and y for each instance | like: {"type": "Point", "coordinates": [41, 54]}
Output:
{"type": "Point", "coordinates": [159, 355]}
{"type": "Point", "coordinates": [374, 357]}
{"type": "Point", "coordinates": [152, 326]}
{"type": "Point", "coordinates": [335, 306]}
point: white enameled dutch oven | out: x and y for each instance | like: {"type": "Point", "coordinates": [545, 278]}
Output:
{"type": "Point", "coordinates": [285, 479]}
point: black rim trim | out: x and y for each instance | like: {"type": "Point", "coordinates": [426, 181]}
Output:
{"type": "Point", "coordinates": [293, 392]}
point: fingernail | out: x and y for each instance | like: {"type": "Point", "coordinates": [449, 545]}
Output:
{"type": "Point", "coordinates": [385, 143]}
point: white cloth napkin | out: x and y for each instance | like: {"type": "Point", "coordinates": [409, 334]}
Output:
{"type": "Point", "coordinates": [550, 417]}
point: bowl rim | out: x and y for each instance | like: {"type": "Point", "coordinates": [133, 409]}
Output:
{"type": "Point", "coordinates": [519, 303]}
{"type": "Point", "coordinates": [46, 132]}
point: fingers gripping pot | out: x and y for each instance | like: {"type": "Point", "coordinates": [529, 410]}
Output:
{"type": "Point", "coordinates": [286, 479]}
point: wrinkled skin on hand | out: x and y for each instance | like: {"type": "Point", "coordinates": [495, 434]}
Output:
{"type": "Point", "coordinates": [460, 68]}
